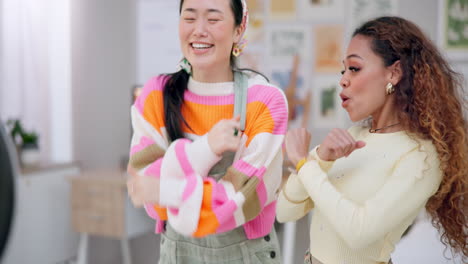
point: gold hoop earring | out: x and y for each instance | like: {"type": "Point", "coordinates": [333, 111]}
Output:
{"type": "Point", "coordinates": [389, 88]}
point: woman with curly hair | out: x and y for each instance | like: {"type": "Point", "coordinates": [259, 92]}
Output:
{"type": "Point", "coordinates": [367, 184]}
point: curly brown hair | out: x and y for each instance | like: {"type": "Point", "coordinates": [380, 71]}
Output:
{"type": "Point", "coordinates": [430, 95]}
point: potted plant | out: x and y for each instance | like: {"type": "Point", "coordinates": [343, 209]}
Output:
{"type": "Point", "coordinates": [27, 144]}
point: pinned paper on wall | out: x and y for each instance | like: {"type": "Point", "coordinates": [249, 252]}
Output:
{"type": "Point", "coordinates": [286, 41]}
{"type": "Point", "coordinates": [282, 9]}
{"type": "Point", "coordinates": [328, 48]}
{"type": "Point", "coordinates": [453, 28]}
{"type": "Point", "coordinates": [327, 111]}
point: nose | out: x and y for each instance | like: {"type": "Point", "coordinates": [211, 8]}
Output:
{"type": "Point", "coordinates": [344, 82]}
{"type": "Point", "coordinates": [200, 29]}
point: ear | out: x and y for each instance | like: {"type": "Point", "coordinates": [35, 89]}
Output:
{"type": "Point", "coordinates": [238, 33]}
{"type": "Point", "coordinates": [396, 73]}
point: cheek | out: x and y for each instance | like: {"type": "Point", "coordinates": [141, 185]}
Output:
{"type": "Point", "coordinates": [223, 32]}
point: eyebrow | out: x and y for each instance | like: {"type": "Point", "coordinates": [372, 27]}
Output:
{"type": "Point", "coordinates": [354, 56]}
{"type": "Point", "coordinates": [211, 10]}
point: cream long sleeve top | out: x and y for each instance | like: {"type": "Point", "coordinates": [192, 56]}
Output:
{"type": "Point", "coordinates": [362, 204]}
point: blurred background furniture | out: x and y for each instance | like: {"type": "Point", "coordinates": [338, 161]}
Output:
{"type": "Point", "coordinates": [100, 206]}
{"type": "Point", "coordinates": [41, 231]}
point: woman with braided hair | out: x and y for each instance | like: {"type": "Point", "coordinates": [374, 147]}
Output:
{"type": "Point", "coordinates": [366, 185]}
{"type": "Point", "coordinates": [206, 157]}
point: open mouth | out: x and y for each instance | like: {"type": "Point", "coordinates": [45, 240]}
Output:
{"type": "Point", "coordinates": [344, 98]}
{"type": "Point", "coordinates": [201, 46]}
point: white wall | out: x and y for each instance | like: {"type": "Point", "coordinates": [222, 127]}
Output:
{"type": "Point", "coordinates": [103, 72]}
{"type": "Point", "coordinates": [60, 82]}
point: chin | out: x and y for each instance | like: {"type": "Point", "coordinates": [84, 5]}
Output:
{"type": "Point", "coordinates": [355, 118]}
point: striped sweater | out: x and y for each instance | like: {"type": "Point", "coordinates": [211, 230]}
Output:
{"type": "Point", "coordinates": [193, 203]}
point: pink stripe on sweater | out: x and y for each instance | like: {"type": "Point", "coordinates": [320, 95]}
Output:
{"type": "Point", "coordinates": [262, 224]}
{"type": "Point", "coordinates": [186, 167]}
{"type": "Point", "coordinates": [155, 84]}
{"type": "Point", "coordinates": [209, 100]}
{"type": "Point", "coordinates": [154, 170]}
{"type": "Point", "coordinates": [173, 211]}
{"type": "Point", "coordinates": [159, 226]}
{"type": "Point", "coordinates": [262, 193]}
{"type": "Point", "coordinates": [144, 142]}
{"type": "Point", "coordinates": [248, 169]}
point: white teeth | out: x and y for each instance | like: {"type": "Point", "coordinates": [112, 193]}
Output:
{"type": "Point", "coordinates": [200, 46]}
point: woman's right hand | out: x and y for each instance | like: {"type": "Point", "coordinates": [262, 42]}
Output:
{"type": "Point", "coordinates": [222, 138]}
{"type": "Point", "coordinates": [337, 144]}
{"type": "Point", "coordinates": [297, 143]}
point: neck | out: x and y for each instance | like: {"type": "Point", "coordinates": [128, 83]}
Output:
{"type": "Point", "coordinates": [213, 75]}
{"type": "Point", "coordinates": [386, 121]}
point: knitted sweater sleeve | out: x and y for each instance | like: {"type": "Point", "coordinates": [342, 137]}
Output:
{"type": "Point", "coordinates": [151, 153]}
{"type": "Point", "coordinates": [359, 224]}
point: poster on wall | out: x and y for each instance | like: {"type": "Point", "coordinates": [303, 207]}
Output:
{"type": "Point", "coordinates": [453, 28]}
{"type": "Point", "coordinates": [362, 10]}
{"type": "Point", "coordinates": [256, 6]}
{"type": "Point", "coordinates": [328, 46]}
{"type": "Point", "coordinates": [326, 103]}
{"type": "Point", "coordinates": [282, 9]}
{"type": "Point", "coordinates": [320, 10]}
{"type": "Point", "coordinates": [286, 41]}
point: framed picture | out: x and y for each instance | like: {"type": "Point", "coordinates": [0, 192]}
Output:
{"type": "Point", "coordinates": [286, 41]}
{"type": "Point", "coordinates": [327, 110]}
{"type": "Point", "coordinates": [453, 29]}
{"type": "Point", "coordinates": [282, 9]}
{"type": "Point", "coordinates": [328, 40]}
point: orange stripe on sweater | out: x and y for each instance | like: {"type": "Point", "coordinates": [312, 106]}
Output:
{"type": "Point", "coordinates": [208, 223]}
{"type": "Point", "coordinates": [259, 120]}
{"type": "Point", "coordinates": [201, 118]}
{"type": "Point", "coordinates": [153, 110]}
{"type": "Point", "coordinates": [162, 212]}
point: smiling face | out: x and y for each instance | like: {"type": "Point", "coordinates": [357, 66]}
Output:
{"type": "Point", "coordinates": [207, 33]}
{"type": "Point", "coordinates": [364, 80]}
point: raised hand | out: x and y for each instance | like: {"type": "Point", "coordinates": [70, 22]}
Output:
{"type": "Point", "coordinates": [297, 143]}
{"type": "Point", "coordinates": [223, 136]}
{"type": "Point", "coordinates": [337, 144]}
{"type": "Point", "coordinates": [142, 189]}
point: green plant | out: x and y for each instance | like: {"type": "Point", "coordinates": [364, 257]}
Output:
{"type": "Point", "coordinates": [20, 136]}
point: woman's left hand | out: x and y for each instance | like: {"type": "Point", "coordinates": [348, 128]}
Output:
{"type": "Point", "coordinates": [142, 189]}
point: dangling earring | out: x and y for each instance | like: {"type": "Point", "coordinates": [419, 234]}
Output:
{"type": "Point", "coordinates": [236, 50]}
{"type": "Point", "coordinates": [389, 88]}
